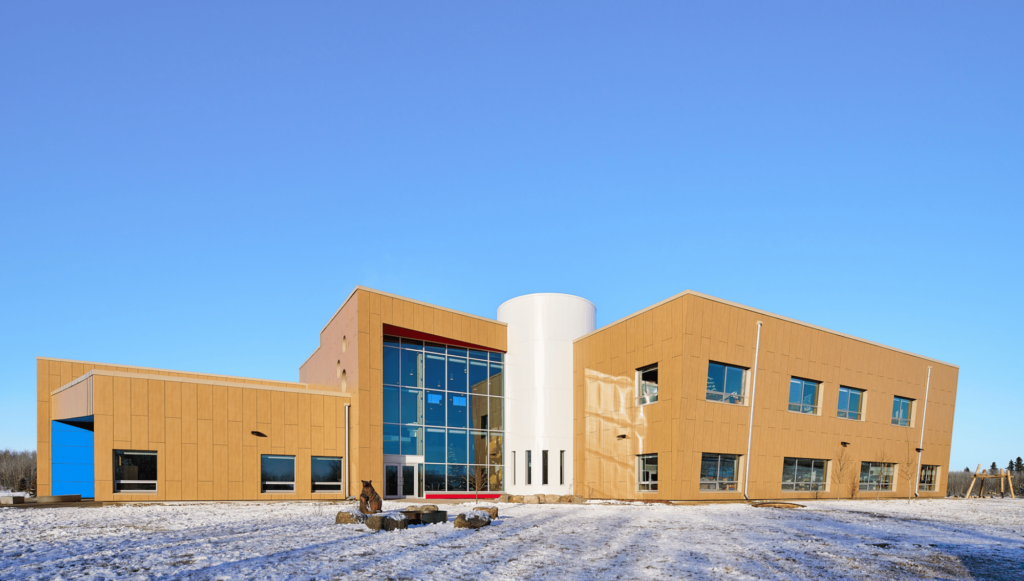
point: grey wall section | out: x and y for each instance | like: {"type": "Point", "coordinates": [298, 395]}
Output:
{"type": "Point", "coordinates": [73, 457]}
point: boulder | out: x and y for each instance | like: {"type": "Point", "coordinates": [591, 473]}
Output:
{"type": "Point", "coordinates": [550, 498]}
{"type": "Point", "coordinates": [389, 521]}
{"type": "Point", "coordinates": [565, 499]}
{"type": "Point", "coordinates": [491, 510]}
{"type": "Point", "coordinates": [350, 517]}
{"type": "Point", "coordinates": [516, 499]}
{"type": "Point", "coordinates": [531, 499]}
{"type": "Point", "coordinates": [577, 498]}
{"type": "Point", "coordinates": [504, 497]}
{"type": "Point", "coordinates": [472, 520]}
{"type": "Point", "coordinates": [422, 508]}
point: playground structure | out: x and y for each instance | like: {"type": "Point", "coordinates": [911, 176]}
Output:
{"type": "Point", "coordinates": [1005, 482]}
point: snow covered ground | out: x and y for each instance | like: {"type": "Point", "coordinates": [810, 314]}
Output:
{"type": "Point", "coordinates": [944, 539]}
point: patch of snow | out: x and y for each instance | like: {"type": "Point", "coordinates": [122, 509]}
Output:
{"type": "Point", "coordinates": [828, 540]}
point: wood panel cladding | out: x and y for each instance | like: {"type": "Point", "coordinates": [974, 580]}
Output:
{"type": "Point", "coordinates": [682, 335]}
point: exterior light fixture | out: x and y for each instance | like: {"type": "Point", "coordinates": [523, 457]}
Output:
{"type": "Point", "coordinates": [258, 434]}
{"type": "Point", "coordinates": [845, 444]}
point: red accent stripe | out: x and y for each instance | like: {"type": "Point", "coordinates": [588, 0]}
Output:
{"type": "Point", "coordinates": [460, 496]}
{"type": "Point", "coordinates": [410, 334]}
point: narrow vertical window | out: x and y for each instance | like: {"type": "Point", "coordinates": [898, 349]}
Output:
{"type": "Point", "coordinates": [544, 467]}
{"type": "Point", "coordinates": [513, 467]}
{"type": "Point", "coordinates": [561, 467]}
{"type": "Point", "coordinates": [647, 384]}
{"type": "Point", "coordinates": [647, 472]}
{"type": "Point", "coordinates": [529, 467]}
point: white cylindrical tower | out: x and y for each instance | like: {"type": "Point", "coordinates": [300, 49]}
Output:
{"type": "Point", "coordinates": [539, 390]}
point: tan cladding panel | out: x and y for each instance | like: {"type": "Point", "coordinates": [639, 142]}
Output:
{"type": "Point", "coordinates": [682, 336]}
{"type": "Point", "coordinates": [203, 435]}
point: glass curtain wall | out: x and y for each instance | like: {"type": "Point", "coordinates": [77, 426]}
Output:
{"type": "Point", "coordinates": [446, 403]}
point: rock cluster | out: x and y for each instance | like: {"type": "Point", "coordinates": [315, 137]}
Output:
{"type": "Point", "coordinates": [350, 516]}
{"type": "Point", "coordinates": [389, 521]}
{"type": "Point", "coordinates": [491, 510]}
{"type": "Point", "coordinates": [472, 520]}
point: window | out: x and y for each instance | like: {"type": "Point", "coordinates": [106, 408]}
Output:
{"type": "Point", "coordinates": [876, 476]}
{"type": "Point", "coordinates": [561, 467]}
{"type": "Point", "coordinates": [804, 474]}
{"type": "Point", "coordinates": [850, 403]}
{"type": "Point", "coordinates": [325, 474]}
{"type": "Point", "coordinates": [445, 403]}
{"type": "Point", "coordinates": [529, 467]}
{"type": "Point", "coordinates": [134, 471]}
{"type": "Point", "coordinates": [544, 467]}
{"type": "Point", "coordinates": [725, 383]}
{"type": "Point", "coordinates": [647, 472]}
{"type": "Point", "coordinates": [513, 467]}
{"type": "Point", "coordinates": [647, 384]}
{"type": "Point", "coordinates": [803, 396]}
{"type": "Point", "coordinates": [277, 473]}
{"type": "Point", "coordinates": [901, 410]}
{"type": "Point", "coordinates": [929, 478]}
{"type": "Point", "coordinates": [718, 472]}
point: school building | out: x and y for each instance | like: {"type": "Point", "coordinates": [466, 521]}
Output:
{"type": "Point", "coordinates": [694, 398]}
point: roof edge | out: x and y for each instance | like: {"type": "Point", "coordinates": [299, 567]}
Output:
{"type": "Point", "coordinates": [226, 377]}
{"type": "Point", "coordinates": [760, 312]}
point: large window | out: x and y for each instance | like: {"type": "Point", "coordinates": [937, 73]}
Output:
{"type": "Point", "coordinates": [876, 475]}
{"type": "Point", "coordinates": [725, 383]}
{"type": "Point", "coordinates": [901, 410]}
{"type": "Point", "coordinates": [647, 472]}
{"type": "Point", "coordinates": [718, 472]}
{"type": "Point", "coordinates": [134, 471]}
{"type": "Point", "coordinates": [446, 403]}
{"type": "Point", "coordinates": [929, 479]}
{"type": "Point", "coordinates": [804, 474]}
{"type": "Point", "coordinates": [325, 474]}
{"type": "Point", "coordinates": [647, 384]}
{"type": "Point", "coordinates": [277, 473]}
{"type": "Point", "coordinates": [803, 396]}
{"type": "Point", "coordinates": [850, 402]}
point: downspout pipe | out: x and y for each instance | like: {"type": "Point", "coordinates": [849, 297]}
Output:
{"type": "Point", "coordinates": [920, 446]}
{"type": "Point", "coordinates": [750, 431]}
{"type": "Point", "coordinates": [348, 459]}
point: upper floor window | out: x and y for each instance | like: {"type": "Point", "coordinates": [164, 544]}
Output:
{"type": "Point", "coordinates": [725, 383]}
{"type": "Point", "coordinates": [718, 471]}
{"type": "Point", "coordinates": [803, 396]}
{"type": "Point", "coordinates": [901, 410]}
{"type": "Point", "coordinates": [647, 384]}
{"type": "Point", "coordinates": [850, 401]}
{"type": "Point", "coordinates": [647, 472]}
{"type": "Point", "coordinates": [929, 478]}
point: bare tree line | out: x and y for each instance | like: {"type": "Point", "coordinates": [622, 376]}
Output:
{"type": "Point", "coordinates": [18, 470]}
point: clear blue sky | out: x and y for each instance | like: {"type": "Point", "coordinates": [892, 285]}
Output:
{"type": "Point", "coordinates": [198, 186]}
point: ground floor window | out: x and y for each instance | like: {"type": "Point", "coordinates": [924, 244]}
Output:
{"type": "Point", "coordinates": [804, 474]}
{"type": "Point", "coordinates": [529, 467]}
{"type": "Point", "coordinates": [325, 473]}
{"type": "Point", "coordinates": [544, 467]}
{"type": "Point", "coordinates": [134, 471]}
{"type": "Point", "coordinates": [459, 460]}
{"type": "Point", "coordinates": [718, 471]}
{"type": "Point", "coordinates": [561, 467]}
{"type": "Point", "coordinates": [647, 472]}
{"type": "Point", "coordinates": [876, 475]}
{"type": "Point", "coordinates": [929, 479]}
{"type": "Point", "coordinates": [277, 473]}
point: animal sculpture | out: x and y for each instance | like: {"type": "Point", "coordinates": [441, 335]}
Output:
{"type": "Point", "coordinates": [369, 500]}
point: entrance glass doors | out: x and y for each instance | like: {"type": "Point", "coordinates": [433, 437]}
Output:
{"type": "Point", "coordinates": [400, 480]}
